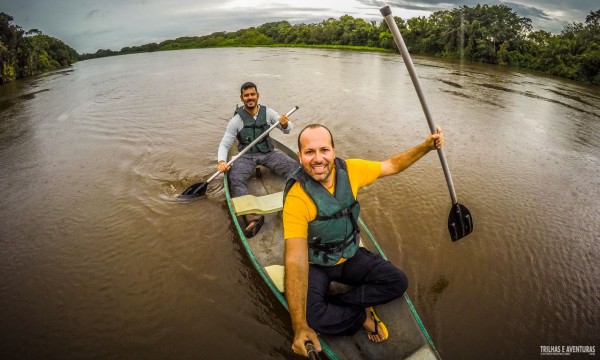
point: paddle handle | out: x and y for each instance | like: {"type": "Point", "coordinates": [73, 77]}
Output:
{"type": "Point", "coordinates": [256, 141]}
{"type": "Point", "coordinates": [386, 11]}
{"type": "Point", "coordinates": [310, 350]}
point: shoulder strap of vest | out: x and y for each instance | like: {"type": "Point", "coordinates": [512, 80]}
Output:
{"type": "Point", "coordinates": [249, 121]}
{"type": "Point", "coordinates": [301, 176]}
{"type": "Point", "coordinates": [297, 175]}
{"type": "Point", "coordinates": [340, 164]}
{"type": "Point", "coordinates": [342, 175]}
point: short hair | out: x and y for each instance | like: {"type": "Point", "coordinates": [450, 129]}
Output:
{"type": "Point", "coordinates": [315, 126]}
{"type": "Point", "coordinates": [248, 85]}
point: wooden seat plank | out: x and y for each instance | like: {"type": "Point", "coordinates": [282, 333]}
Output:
{"type": "Point", "coordinates": [250, 204]}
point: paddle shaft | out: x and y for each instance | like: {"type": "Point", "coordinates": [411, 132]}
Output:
{"type": "Point", "coordinates": [389, 19]}
{"type": "Point", "coordinates": [256, 141]}
{"type": "Point", "coordinates": [311, 352]}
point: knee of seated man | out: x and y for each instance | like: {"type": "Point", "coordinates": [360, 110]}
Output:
{"type": "Point", "coordinates": [400, 283]}
{"type": "Point", "coordinates": [313, 317]}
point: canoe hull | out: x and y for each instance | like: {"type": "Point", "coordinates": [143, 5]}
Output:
{"type": "Point", "coordinates": [408, 336]}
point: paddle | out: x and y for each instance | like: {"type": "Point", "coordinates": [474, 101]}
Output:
{"type": "Point", "coordinates": [312, 353]}
{"type": "Point", "coordinates": [460, 222]}
{"type": "Point", "coordinates": [199, 189]}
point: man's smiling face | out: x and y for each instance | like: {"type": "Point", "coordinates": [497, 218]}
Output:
{"type": "Point", "coordinates": [250, 98]}
{"type": "Point", "coordinates": [317, 155]}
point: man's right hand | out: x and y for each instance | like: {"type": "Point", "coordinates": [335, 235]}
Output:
{"type": "Point", "coordinates": [301, 336]}
{"type": "Point", "coordinates": [222, 166]}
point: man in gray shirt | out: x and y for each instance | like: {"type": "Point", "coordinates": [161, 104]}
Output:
{"type": "Point", "coordinates": [248, 123]}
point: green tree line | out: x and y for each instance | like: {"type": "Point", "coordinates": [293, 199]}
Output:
{"type": "Point", "coordinates": [489, 34]}
{"type": "Point", "coordinates": [28, 53]}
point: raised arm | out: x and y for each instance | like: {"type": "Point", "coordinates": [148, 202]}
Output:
{"type": "Point", "coordinates": [284, 124]}
{"type": "Point", "coordinates": [405, 159]}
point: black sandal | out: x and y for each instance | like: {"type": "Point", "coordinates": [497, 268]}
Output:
{"type": "Point", "coordinates": [254, 227]}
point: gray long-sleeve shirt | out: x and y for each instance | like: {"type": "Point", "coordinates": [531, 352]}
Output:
{"type": "Point", "coordinates": [236, 124]}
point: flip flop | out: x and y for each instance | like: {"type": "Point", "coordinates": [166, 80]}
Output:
{"type": "Point", "coordinates": [254, 227]}
{"type": "Point", "coordinates": [378, 323]}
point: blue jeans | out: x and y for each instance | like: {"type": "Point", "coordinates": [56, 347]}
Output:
{"type": "Point", "coordinates": [376, 281]}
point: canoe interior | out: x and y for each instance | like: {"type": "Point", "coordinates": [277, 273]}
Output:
{"type": "Point", "coordinates": [408, 337]}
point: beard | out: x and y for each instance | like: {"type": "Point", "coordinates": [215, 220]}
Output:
{"type": "Point", "coordinates": [254, 103]}
{"type": "Point", "coordinates": [320, 171]}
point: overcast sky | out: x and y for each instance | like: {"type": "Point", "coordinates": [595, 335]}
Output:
{"type": "Point", "coordinates": [89, 25]}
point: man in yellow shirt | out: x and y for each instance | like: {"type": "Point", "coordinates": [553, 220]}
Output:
{"type": "Point", "coordinates": [321, 241]}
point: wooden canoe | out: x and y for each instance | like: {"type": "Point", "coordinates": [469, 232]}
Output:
{"type": "Point", "coordinates": [408, 337]}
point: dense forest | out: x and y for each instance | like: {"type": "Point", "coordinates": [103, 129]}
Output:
{"type": "Point", "coordinates": [28, 53]}
{"type": "Point", "coordinates": [489, 34]}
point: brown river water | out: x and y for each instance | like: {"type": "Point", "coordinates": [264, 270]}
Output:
{"type": "Point", "coordinates": [99, 261]}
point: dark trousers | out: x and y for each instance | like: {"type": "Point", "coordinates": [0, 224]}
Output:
{"type": "Point", "coordinates": [243, 168]}
{"type": "Point", "coordinates": [376, 281]}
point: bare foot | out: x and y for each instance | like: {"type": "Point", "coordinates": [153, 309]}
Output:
{"type": "Point", "coordinates": [376, 330]}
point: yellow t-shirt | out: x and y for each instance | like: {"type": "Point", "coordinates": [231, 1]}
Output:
{"type": "Point", "coordinates": [299, 209]}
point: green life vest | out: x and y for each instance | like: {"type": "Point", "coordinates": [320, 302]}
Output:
{"type": "Point", "coordinates": [252, 129]}
{"type": "Point", "coordinates": [333, 234]}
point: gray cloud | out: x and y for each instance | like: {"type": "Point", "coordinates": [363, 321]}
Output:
{"type": "Point", "coordinates": [549, 15]}
{"type": "Point", "coordinates": [528, 11]}
{"type": "Point", "coordinates": [92, 13]}
{"type": "Point", "coordinates": [89, 25]}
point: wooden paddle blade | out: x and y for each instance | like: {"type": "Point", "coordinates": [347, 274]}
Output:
{"type": "Point", "coordinates": [460, 222]}
{"type": "Point", "coordinates": [195, 190]}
